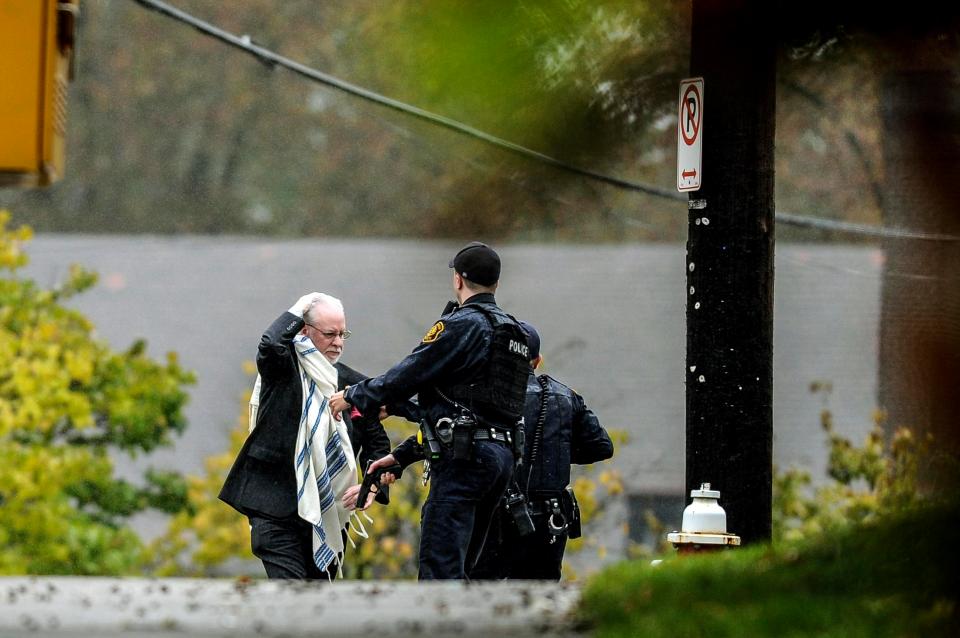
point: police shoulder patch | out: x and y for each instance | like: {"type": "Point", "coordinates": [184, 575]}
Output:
{"type": "Point", "coordinates": [433, 333]}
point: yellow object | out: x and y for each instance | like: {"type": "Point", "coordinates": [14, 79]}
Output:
{"type": "Point", "coordinates": [36, 52]}
{"type": "Point", "coordinates": [434, 333]}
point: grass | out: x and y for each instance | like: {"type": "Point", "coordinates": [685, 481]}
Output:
{"type": "Point", "coordinates": [895, 577]}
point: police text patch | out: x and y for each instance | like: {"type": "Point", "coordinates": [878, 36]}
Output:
{"type": "Point", "coordinates": [433, 333]}
{"type": "Point", "coordinates": [519, 348]}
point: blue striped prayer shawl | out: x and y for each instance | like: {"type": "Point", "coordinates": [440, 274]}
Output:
{"type": "Point", "coordinates": [324, 461]}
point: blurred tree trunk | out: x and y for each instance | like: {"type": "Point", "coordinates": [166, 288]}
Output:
{"type": "Point", "coordinates": [920, 322]}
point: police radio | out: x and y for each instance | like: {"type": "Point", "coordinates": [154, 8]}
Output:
{"type": "Point", "coordinates": [516, 505]}
{"type": "Point", "coordinates": [428, 438]}
{"type": "Point", "coordinates": [463, 427]}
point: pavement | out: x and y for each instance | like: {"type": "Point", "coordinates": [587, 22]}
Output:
{"type": "Point", "coordinates": [74, 607]}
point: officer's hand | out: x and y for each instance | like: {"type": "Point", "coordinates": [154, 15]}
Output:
{"type": "Point", "coordinates": [338, 404]}
{"type": "Point", "coordinates": [386, 461]}
{"type": "Point", "coordinates": [349, 500]}
{"type": "Point", "coordinates": [383, 413]}
{"type": "Point", "coordinates": [303, 303]}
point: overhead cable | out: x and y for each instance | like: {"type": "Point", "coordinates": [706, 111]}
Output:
{"type": "Point", "coordinates": [272, 59]}
{"type": "Point", "coordinates": [860, 229]}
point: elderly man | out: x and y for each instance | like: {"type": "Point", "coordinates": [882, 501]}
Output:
{"type": "Point", "coordinates": [298, 462]}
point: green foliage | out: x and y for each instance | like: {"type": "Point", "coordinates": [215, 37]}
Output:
{"type": "Point", "coordinates": [893, 577]}
{"type": "Point", "coordinates": [866, 554]}
{"type": "Point", "coordinates": [207, 532]}
{"type": "Point", "coordinates": [66, 399]}
{"type": "Point", "coordinates": [563, 71]}
{"type": "Point", "coordinates": [881, 477]}
{"type": "Point", "coordinates": [593, 82]}
{"type": "Point", "coordinates": [579, 80]}
{"type": "Point", "coordinates": [265, 152]}
{"type": "Point", "coordinates": [391, 550]}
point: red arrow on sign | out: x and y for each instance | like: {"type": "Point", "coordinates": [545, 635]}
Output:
{"type": "Point", "coordinates": [686, 174]}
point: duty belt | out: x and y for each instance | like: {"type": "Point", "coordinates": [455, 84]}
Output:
{"type": "Point", "coordinates": [492, 434]}
{"type": "Point", "coordinates": [539, 507]}
{"type": "Point", "coordinates": [552, 510]}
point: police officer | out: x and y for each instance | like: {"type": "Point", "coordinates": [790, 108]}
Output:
{"type": "Point", "coordinates": [469, 373]}
{"type": "Point", "coordinates": [560, 430]}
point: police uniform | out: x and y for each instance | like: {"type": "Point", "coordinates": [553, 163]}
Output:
{"type": "Point", "coordinates": [473, 361]}
{"type": "Point", "coordinates": [569, 433]}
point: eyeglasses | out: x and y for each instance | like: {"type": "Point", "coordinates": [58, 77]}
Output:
{"type": "Point", "coordinates": [331, 334]}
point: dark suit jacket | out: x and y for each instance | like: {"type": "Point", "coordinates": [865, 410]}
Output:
{"type": "Point", "coordinates": [262, 479]}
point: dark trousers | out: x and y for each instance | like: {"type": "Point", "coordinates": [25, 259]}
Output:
{"type": "Point", "coordinates": [456, 516]}
{"type": "Point", "coordinates": [506, 554]}
{"type": "Point", "coordinates": [285, 546]}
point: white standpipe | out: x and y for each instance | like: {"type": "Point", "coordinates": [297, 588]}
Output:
{"type": "Point", "coordinates": [704, 524]}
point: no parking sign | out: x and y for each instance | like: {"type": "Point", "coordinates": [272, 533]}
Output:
{"type": "Point", "coordinates": [690, 135]}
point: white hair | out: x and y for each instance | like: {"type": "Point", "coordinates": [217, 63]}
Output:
{"type": "Point", "coordinates": [324, 300]}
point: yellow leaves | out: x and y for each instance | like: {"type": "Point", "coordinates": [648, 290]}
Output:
{"type": "Point", "coordinates": [22, 380]}
{"type": "Point", "coordinates": [612, 482]}
{"type": "Point", "coordinates": [618, 436]}
{"type": "Point", "coordinates": [47, 372]}
{"type": "Point", "coordinates": [62, 511]}
{"type": "Point", "coordinates": [199, 540]}
{"type": "Point", "coordinates": [868, 481]}
{"type": "Point", "coordinates": [79, 368]}
{"type": "Point", "coordinates": [12, 256]}
{"type": "Point", "coordinates": [388, 544]}
{"type": "Point", "coordinates": [7, 418]}
{"type": "Point", "coordinates": [28, 414]}
{"type": "Point", "coordinates": [37, 514]}
{"type": "Point", "coordinates": [46, 333]}
{"type": "Point", "coordinates": [405, 550]}
{"type": "Point", "coordinates": [219, 464]}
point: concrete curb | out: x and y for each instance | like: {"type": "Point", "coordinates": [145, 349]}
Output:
{"type": "Point", "coordinates": [86, 606]}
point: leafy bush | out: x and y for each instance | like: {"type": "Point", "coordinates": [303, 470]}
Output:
{"type": "Point", "coordinates": [886, 474]}
{"type": "Point", "coordinates": [893, 576]}
{"type": "Point", "coordinates": [66, 400]}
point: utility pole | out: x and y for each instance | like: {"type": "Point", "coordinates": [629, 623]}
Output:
{"type": "Point", "coordinates": [730, 243]}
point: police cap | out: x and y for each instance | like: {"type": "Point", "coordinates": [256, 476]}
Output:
{"type": "Point", "coordinates": [533, 339]}
{"type": "Point", "coordinates": [478, 263]}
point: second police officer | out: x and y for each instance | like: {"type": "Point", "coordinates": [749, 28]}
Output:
{"type": "Point", "coordinates": [470, 374]}
{"type": "Point", "coordinates": [539, 511]}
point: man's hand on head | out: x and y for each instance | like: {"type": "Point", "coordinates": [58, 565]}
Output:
{"type": "Point", "coordinates": [303, 303]}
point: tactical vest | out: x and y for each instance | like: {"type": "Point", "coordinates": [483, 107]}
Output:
{"type": "Point", "coordinates": [498, 393]}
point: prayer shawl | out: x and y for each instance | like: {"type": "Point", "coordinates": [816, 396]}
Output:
{"type": "Point", "coordinates": [323, 461]}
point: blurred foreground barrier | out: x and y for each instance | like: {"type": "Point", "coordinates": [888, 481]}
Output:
{"type": "Point", "coordinates": [155, 608]}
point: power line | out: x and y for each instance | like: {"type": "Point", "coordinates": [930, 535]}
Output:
{"type": "Point", "coordinates": [272, 59]}
{"type": "Point", "coordinates": [860, 229]}
{"type": "Point", "coordinates": [268, 57]}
